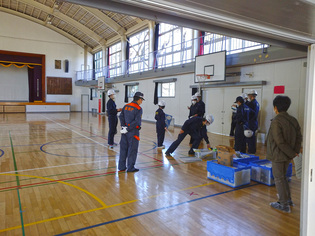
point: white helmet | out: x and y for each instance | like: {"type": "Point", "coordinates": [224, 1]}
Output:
{"type": "Point", "coordinates": [252, 92]}
{"type": "Point", "coordinates": [210, 119]}
{"type": "Point", "coordinates": [161, 103]}
{"type": "Point", "coordinates": [248, 133]}
{"type": "Point", "coordinates": [244, 95]}
{"type": "Point", "coordinates": [193, 97]}
{"type": "Point", "coordinates": [198, 94]}
{"type": "Point", "coordinates": [111, 92]}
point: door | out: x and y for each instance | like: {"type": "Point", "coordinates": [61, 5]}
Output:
{"type": "Point", "coordinates": [85, 102]}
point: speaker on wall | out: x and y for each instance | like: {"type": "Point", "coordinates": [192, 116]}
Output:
{"type": "Point", "coordinates": [66, 66]}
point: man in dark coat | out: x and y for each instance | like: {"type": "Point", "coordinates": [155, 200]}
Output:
{"type": "Point", "coordinates": [283, 144]}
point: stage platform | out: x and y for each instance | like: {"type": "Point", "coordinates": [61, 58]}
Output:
{"type": "Point", "coordinates": [16, 107]}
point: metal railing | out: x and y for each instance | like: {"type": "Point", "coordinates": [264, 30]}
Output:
{"type": "Point", "coordinates": [167, 57]}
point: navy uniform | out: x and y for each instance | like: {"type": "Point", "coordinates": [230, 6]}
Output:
{"type": "Point", "coordinates": [242, 116]}
{"type": "Point", "coordinates": [196, 129]}
{"type": "Point", "coordinates": [233, 122]}
{"type": "Point", "coordinates": [252, 125]}
{"type": "Point", "coordinates": [112, 120]}
{"type": "Point", "coordinates": [160, 124]}
{"type": "Point", "coordinates": [130, 118]}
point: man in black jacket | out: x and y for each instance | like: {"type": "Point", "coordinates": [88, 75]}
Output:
{"type": "Point", "coordinates": [196, 128]}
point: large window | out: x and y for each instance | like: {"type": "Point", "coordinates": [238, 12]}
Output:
{"type": "Point", "coordinates": [216, 43]}
{"type": "Point", "coordinates": [132, 89]}
{"type": "Point", "coordinates": [175, 45]}
{"type": "Point", "coordinates": [166, 89]}
{"type": "Point", "coordinates": [139, 52]}
{"type": "Point", "coordinates": [114, 62]}
{"type": "Point", "coordinates": [98, 64]}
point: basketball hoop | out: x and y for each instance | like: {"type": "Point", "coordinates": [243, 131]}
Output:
{"type": "Point", "coordinates": [201, 79]}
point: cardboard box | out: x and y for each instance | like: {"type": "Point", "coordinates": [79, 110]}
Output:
{"type": "Point", "coordinates": [225, 155]}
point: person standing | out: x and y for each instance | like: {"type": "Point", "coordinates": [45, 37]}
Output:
{"type": "Point", "coordinates": [283, 144]}
{"type": "Point", "coordinates": [193, 107]}
{"type": "Point", "coordinates": [196, 128]}
{"type": "Point", "coordinates": [233, 122]}
{"type": "Point", "coordinates": [242, 116]}
{"type": "Point", "coordinates": [253, 120]}
{"type": "Point", "coordinates": [160, 124]}
{"type": "Point", "coordinates": [201, 106]}
{"type": "Point", "coordinates": [112, 117]}
{"type": "Point", "coordinates": [130, 120]}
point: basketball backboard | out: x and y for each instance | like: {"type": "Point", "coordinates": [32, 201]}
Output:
{"type": "Point", "coordinates": [211, 64]}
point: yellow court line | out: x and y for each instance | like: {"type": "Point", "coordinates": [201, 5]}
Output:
{"type": "Point", "coordinates": [91, 210]}
{"type": "Point", "coordinates": [71, 185]}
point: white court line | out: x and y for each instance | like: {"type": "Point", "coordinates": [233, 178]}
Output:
{"type": "Point", "coordinates": [47, 167]}
{"type": "Point", "coordinates": [106, 146]}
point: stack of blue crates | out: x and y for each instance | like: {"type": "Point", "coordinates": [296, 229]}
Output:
{"type": "Point", "coordinates": [261, 171]}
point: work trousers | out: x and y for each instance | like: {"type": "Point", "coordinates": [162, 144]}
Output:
{"type": "Point", "coordinates": [279, 171]}
{"type": "Point", "coordinates": [251, 142]}
{"type": "Point", "coordinates": [240, 141]}
{"type": "Point", "coordinates": [129, 144]}
{"type": "Point", "coordinates": [112, 124]}
{"type": "Point", "coordinates": [180, 138]}
{"type": "Point", "coordinates": [160, 136]}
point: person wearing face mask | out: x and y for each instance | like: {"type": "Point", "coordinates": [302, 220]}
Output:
{"type": "Point", "coordinates": [193, 107]}
{"type": "Point", "coordinates": [130, 120]}
{"type": "Point", "coordinates": [253, 120]}
{"type": "Point", "coordinates": [160, 124]}
{"type": "Point", "coordinates": [196, 128]}
{"type": "Point", "coordinates": [283, 144]}
{"type": "Point", "coordinates": [112, 117]}
{"type": "Point", "coordinates": [201, 106]}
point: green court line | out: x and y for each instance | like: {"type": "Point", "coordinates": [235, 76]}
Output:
{"type": "Point", "coordinates": [18, 184]}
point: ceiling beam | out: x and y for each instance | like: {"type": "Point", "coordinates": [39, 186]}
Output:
{"type": "Point", "coordinates": [66, 19]}
{"type": "Point", "coordinates": [191, 19]}
{"type": "Point", "coordinates": [30, 18]}
{"type": "Point", "coordinates": [106, 20]}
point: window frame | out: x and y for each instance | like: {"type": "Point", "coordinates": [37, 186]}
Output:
{"type": "Point", "coordinates": [116, 57]}
{"type": "Point", "coordinates": [160, 90]}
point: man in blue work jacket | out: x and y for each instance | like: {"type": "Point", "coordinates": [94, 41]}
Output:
{"type": "Point", "coordinates": [160, 124]}
{"type": "Point", "coordinates": [130, 120]}
{"type": "Point", "coordinates": [201, 106]}
{"type": "Point", "coordinates": [196, 128]}
{"type": "Point", "coordinates": [112, 117]}
{"type": "Point", "coordinates": [253, 120]}
{"type": "Point", "coordinates": [242, 116]}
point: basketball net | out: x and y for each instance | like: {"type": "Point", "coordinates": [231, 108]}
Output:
{"type": "Point", "coordinates": [201, 79]}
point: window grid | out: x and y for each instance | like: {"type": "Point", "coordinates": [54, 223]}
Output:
{"type": "Point", "coordinates": [166, 90]}
{"type": "Point", "coordinates": [114, 66]}
{"type": "Point", "coordinates": [132, 89]}
{"type": "Point", "coordinates": [98, 64]}
{"type": "Point", "coordinates": [139, 52]}
{"type": "Point", "coordinates": [175, 45]}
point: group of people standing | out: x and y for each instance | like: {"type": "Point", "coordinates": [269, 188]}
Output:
{"type": "Point", "coordinates": [283, 140]}
{"type": "Point", "coordinates": [245, 120]}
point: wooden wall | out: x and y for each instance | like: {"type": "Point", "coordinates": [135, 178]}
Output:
{"type": "Point", "coordinates": [59, 85]}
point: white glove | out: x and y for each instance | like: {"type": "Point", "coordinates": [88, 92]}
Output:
{"type": "Point", "coordinates": [124, 130]}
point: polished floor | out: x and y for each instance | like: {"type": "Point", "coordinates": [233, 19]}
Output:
{"type": "Point", "coordinates": [58, 177]}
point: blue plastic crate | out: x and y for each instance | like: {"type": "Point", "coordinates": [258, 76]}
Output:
{"type": "Point", "coordinates": [241, 161]}
{"type": "Point", "coordinates": [231, 176]}
{"type": "Point", "coordinates": [261, 171]}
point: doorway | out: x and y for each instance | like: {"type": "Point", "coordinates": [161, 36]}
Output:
{"type": "Point", "coordinates": [85, 102]}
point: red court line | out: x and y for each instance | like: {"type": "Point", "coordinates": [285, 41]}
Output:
{"type": "Point", "coordinates": [78, 177]}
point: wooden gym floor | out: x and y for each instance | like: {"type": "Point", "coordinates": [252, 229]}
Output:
{"type": "Point", "coordinates": [58, 177]}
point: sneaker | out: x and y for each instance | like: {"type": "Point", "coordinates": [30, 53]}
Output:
{"type": "Point", "coordinates": [161, 147]}
{"type": "Point", "coordinates": [111, 147]}
{"type": "Point", "coordinates": [191, 152]}
{"type": "Point", "coordinates": [278, 206]}
{"type": "Point", "coordinates": [123, 169]}
{"type": "Point", "coordinates": [134, 170]}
